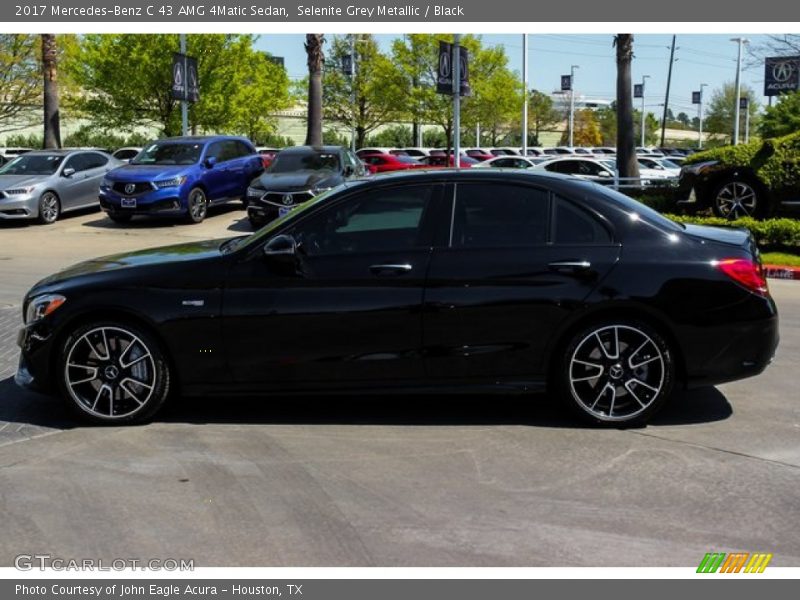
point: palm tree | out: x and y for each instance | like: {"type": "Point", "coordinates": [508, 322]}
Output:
{"type": "Point", "coordinates": [627, 164]}
{"type": "Point", "coordinates": [52, 120]}
{"type": "Point", "coordinates": [315, 58]}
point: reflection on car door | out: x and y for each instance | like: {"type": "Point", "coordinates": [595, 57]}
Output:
{"type": "Point", "coordinates": [96, 167]}
{"type": "Point", "coordinates": [351, 313]}
{"type": "Point", "coordinates": [216, 178]}
{"type": "Point", "coordinates": [80, 188]}
{"type": "Point", "coordinates": [512, 272]}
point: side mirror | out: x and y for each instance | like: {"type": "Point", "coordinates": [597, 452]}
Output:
{"type": "Point", "coordinates": [210, 162]}
{"type": "Point", "coordinates": [604, 174]}
{"type": "Point", "coordinates": [68, 172]}
{"type": "Point", "coordinates": [281, 253]}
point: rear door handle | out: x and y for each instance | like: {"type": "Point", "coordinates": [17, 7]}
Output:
{"type": "Point", "coordinates": [570, 266]}
{"type": "Point", "coordinates": [390, 269]}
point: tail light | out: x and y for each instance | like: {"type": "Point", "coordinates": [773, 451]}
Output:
{"type": "Point", "coordinates": [746, 273]}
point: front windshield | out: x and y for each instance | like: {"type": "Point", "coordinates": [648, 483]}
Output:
{"type": "Point", "coordinates": [312, 161]}
{"type": "Point", "coordinates": [169, 153]}
{"type": "Point", "coordinates": [33, 164]}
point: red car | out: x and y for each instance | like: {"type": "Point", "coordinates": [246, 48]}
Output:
{"type": "Point", "coordinates": [442, 161]}
{"type": "Point", "coordinates": [382, 163]}
{"type": "Point", "coordinates": [479, 154]}
{"type": "Point", "coordinates": [267, 155]}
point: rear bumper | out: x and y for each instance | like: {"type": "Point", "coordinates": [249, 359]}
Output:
{"type": "Point", "coordinates": [730, 352]}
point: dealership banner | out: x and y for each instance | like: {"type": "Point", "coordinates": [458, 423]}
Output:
{"type": "Point", "coordinates": [781, 75]}
{"type": "Point", "coordinates": [282, 11]}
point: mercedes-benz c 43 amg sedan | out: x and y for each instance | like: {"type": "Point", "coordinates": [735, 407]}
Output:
{"type": "Point", "coordinates": [485, 279]}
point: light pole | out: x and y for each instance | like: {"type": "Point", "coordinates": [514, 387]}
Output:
{"type": "Point", "coordinates": [524, 94]}
{"type": "Point", "coordinates": [644, 77]}
{"type": "Point", "coordinates": [572, 103]}
{"type": "Point", "coordinates": [741, 42]}
{"type": "Point", "coordinates": [700, 133]}
{"type": "Point", "coordinates": [184, 103]}
{"type": "Point", "coordinates": [353, 89]}
{"type": "Point", "coordinates": [457, 100]}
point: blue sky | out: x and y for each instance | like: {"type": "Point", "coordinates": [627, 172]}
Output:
{"type": "Point", "coordinates": [701, 58]}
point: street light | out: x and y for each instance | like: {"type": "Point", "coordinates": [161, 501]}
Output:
{"type": "Point", "coordinates": [644, 77]}
{"type": "Point", "coordinates": [741, 42]}
{"type": "Point", "coordinates": [572, 103]}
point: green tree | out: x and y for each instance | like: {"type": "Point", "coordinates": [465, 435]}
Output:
{"type": "Point", "coordinates": [126, 81]}
{"type": "Point", "coordinates": [375, 88]}
{"type": "Point", "coordinates": [683, 118]}
{"type": "Point", "coordinates": [314, 60]}
{"type": "Point", "coordinates": [20, 81]}
{"type": "Point", "coordinates": [720, 115]}
{"type": "Point", "coordinates": [586, 129]}
{"type": "Point", "coordinates": [417, 59]}
{"type": "Point", "coordinates": [782, 118]}
{"type": "Point", "coordinates": [394, 136]}
{"type": "Point", "coordinates": [542, 115]}
{"type": "Point", "coordinates": [262, 87]}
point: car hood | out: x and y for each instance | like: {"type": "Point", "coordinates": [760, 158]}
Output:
{"type": "Point", "coordinates": [299, 180]}
{"type": "Point", "coordinates": [146, 172]}
{"type": "Point", "coordinates": [128, 261]}
{"type": "Point", "coordinates": [8, 182]}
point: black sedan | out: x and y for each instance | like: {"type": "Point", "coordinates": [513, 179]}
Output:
{"type": "Point", "coordinates": [295, 176]}
{"type": "Point", "coordinates": [484, 279]}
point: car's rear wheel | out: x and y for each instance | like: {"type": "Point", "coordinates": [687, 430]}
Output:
{"type": "Point", "coordinates": [198, 206]}
{"type": "Point", "coordinates": [49, 208]}
{"type": "Point", "coordinates": [112, 372]}
{"type": "Point", "coordinates": [738, 198]}
{"type": "Point", "coordinates": [616, 372]}
{"type": "Point", "coordinates": [120, 218]}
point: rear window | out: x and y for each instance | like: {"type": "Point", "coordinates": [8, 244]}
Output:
{"type": "Point", "coordinates": [637, 208]}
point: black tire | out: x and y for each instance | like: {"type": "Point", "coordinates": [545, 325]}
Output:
{"type": "Point", "coordinates": [615, 373]}
{"type": "Point", "coordinates": [121, 219]}
{"type": "Point", "coordinates": [113, 373]}
{"type": "Point", "coordinates": [255, 222]}
{"type": "Point", "coordinates": [197, 205]}
{"type": "Point", "coordinates": [734, 198]}
{"type": "Point", "coordinates": [49, 208]}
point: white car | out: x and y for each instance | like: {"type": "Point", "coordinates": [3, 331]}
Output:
{"type": "Point", "coordinates": [660, 164]}
{"type": "Point", "coordinates": [646, 174]}
{"type": "Point", "coordinates": [9, 154]}
{"type": "Point", "coordinates": [414, 152]}
{"type": "Point", "coordinates": [510, 162]}
{"type": "Point", "coordinates": [558, 151]}
{"type": "Point", "coordinates": [127, 153]}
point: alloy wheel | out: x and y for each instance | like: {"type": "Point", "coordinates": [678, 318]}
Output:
{"type": "Point", "coordinates": [616, 372]}
{"type": "Point", "coordinates": [48, 208]}
{"type": "Point", "coordinates": [736, 199]}
{"type": "Point", "coordinates": [110, 372]}
{"type": "Point", "coordinates": [198, 205]}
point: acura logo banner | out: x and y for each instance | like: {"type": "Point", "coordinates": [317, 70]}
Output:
{"type": "Point", "coordinates": [781, 75]}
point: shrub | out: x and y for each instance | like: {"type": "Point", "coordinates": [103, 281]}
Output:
{"type": "Point", "coordinates": [769, 233]}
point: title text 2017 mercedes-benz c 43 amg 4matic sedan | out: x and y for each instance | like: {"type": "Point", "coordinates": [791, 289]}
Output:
{"type": "Point", "coordinates": [486, 280]}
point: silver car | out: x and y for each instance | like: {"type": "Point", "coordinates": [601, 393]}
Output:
{"type": "Point", "coordinates": [45, 183]}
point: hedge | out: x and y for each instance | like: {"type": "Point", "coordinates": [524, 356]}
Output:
{"type": "Point", "coordinates": [769, 233]}
{"type": "Point", "coordinates": [776, 161]}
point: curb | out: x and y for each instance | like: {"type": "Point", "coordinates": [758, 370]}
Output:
{"type": "Point", "coordinates": [777, 272]}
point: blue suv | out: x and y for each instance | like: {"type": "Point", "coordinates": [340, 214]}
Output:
{"type": "Point", "coordinates": [181, 176]}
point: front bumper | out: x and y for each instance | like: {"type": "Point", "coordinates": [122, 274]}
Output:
{"type": "Point", "coordinates": [165, 201]}
{"type": "Point", "coordinates": [23, 206]}
{"type": "Point", "coordinates": [34, 371]}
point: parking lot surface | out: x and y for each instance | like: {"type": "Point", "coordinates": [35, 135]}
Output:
{"type": "Point", "coordinates": [388, 481]}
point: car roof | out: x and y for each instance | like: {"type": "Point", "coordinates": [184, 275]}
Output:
{"type": "Point", "coordinates": [302, 149]}
{"type": "Point", "coordinates": [64, 151]}
{"type": "Point", "coordinates": [201, 139]}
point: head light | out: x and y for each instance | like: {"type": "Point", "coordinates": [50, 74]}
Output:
{"type": "Point", "coordinates": [20, 191]}
{"type": "Point", "coordinates": [321, 189]}
{"type": "Point", "coordinates": [41, 306]}
{"type": "Point", "coordinates": [174, 182]}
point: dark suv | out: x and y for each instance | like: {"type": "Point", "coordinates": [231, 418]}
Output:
{"type": "Point", "coordinates": [295, 176]}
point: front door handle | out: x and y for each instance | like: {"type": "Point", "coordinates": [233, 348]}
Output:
{"type": "Point", "coordinates": [570, 266]}
{"type": "Point", "coordinates": [390, 269]}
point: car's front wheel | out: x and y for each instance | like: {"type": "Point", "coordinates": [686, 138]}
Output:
{"type": "Point", "coordinates": [616, 372]}
{"type": "Point", "coordinates": [113, 372]}
{"type": "Point", "coordinates": [737, 198]}
{"type": "Point", "coordinates": [198, 206]}
{"type": "Point", "coordinates": [49, 208]}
